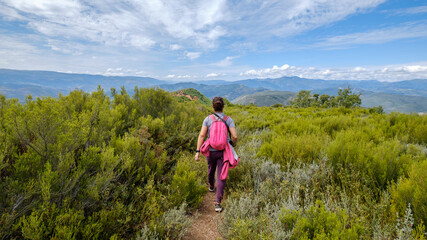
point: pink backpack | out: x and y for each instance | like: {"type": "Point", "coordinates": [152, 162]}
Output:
{"type": "Point", "coordinates": [218, 133]}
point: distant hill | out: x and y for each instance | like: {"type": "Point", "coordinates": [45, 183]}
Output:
{"type": "Point", "coordinates": [21, 90]}
{"type": "Point", "coordinates": [266, 98]}
{"type": "Point", "coordinates": [230, 91]}
{"type": "Point", "coordinates": [395, 102]}
{"type": "Point", "coordinates": [389, 102]}
{"type": "Point", "coordinates": [18, 83]}
{"type": "Point", "coordinates": [293, 84]}
{"type": "Point", "coordinates": [416, 87]}
{"type": "Point", "coordinates": [190, 94]}
{"type": "Point", "coordinates": [215, 82]}
{"type": "Point", "coordinates": [404, 96]}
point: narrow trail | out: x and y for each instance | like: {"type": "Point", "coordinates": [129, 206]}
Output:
{"type": "Point", "coordinates": [205, 224]}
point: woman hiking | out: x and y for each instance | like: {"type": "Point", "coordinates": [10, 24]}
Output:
{"type": "Point", "coordinates": [216, 157]}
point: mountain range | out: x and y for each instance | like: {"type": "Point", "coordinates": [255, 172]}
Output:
{"type": "Point", "coordinates": [403, 96]}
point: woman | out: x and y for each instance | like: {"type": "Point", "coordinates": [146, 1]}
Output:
{"type": "Point", "coordinates": [215, 158]}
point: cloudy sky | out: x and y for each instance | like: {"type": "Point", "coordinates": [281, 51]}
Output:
{"type": "Point", "coordinates": [184, 40]}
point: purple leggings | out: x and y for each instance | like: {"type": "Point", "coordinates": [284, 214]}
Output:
{"type": "Point", "coordinates": [215, 160]}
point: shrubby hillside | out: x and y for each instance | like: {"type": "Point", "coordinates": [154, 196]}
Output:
{"type": "Point", "coordinates": [90, 166]}
{"type": "Point", "coordinates": [93, 166]}
{"type": "Point", "coordinates": [191, 94]}
{"type": "Point", "coordinates": [327, 173]}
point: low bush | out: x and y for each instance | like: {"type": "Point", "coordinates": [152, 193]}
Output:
{"type": "Point", "coordinates": [319, 223]}
{"type": "Point", "coordinates": [411, 191]}
{"type": "Point", "coordinates": [293, 148]}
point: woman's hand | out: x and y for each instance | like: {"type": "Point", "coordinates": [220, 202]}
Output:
{"type": "Point", "coordinates": [197, 157]}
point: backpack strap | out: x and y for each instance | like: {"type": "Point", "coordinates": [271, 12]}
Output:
{"type": "Point", "coordinates": [225, 117]}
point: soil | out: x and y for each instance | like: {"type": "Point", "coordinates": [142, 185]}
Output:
{"type": "Point", "coordinates": [205, 222]}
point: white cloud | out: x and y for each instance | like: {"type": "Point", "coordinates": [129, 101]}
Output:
{"type": "Point", "coordinates": [25, 53]}
{"type": "Point", "coordinates": [9, 13]}
{"type": "Point", "coordinates": [412, 69]}
{"type": "Point", "coordinates": [114, 72]}
{"type": "Point", "coordinates": [359, 69]}
{"type": "Point", "coordinates": [134, 23]}
{"type": "Point", "coordinates": [287, 18]}
{"type": "Point", "coordinates": [170, 76]}
{"type": "Point", "coordinates": [175, 47]}
{"type": "Point", "coordinates": [110, 31]}
{"type": "Point", "coordinates": [17, 53]}
{"type": "Point", "coordinates": [412, 10]}
{"type": "Point", "coordinates": [382, 73]}
{"type": "Point", "coordinates": [183, 76]}
{"type": "Point", "coordinates": [66, 47]}
{"type": "Point", "coordinates": [197, 23]}
{"type": "Point", "coordinates": [275, 71]}
{"type": "Point", "coordinates": [212, 75]}
{"type": "Point", "coordinates": [48, 8]}
{"type": "Point", "coordinates": [412, 30]}
{"type": "Point", "coordinates": [225, 62]}
{"type": "Point", "coordinates": [119, 71]}
{"type": "Point", "coordinates": [193, 55]}
{"type": "Point", "coordinates": [141, 42]}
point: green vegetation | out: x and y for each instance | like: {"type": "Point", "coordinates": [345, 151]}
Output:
{"type": "Point", "coordinates": [388, 102]}
{"type": "Point", "coordinates": [90, 166]}
{"type": "Point", "coordinates": [265, 98]}
{"type": "Point", "coordinates": [327, 173]}
{"type": "Point", "coordinates": [345, 98]}
{"type": "Point", "coordinates": [84, 166]}
{"type": "Point", "coordinates": [194, 95]}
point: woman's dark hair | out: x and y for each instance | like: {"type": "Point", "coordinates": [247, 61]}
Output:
{"type": "Point", "coordinates": [218, 104]}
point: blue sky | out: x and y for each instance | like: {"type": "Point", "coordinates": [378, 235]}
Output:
{"type": "Point", "coordinates": [184, 40]}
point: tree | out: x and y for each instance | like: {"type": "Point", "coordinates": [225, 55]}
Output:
{"type": "Point", "coordinates": [348, 99]}
{"type": "Point", "coordinates": [324, 98]}
{"type": "Point", "coordinates": [332, 102]}
{"type": "Point", "coordinates": [302, 99]}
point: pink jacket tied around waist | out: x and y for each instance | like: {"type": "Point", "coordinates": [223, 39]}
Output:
{"type": "Point", "coordinates": [230, 157]}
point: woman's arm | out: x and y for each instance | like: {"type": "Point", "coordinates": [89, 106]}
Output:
{"type": "Point", "coordinates": [233, 135]}
{"type": "Point", "coordinates": [200, 140]}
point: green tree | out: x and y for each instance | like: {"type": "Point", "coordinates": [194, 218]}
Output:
{"type": "Point", "coordinates": [333, 102]}
{"type": "Point", "coordinates": [324, 98]}
{"type": "Point", "coordinates": [303, 99]}
{"type": "Point", "coordinates": [348, 99]}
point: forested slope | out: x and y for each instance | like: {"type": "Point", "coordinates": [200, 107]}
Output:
{"type": "Point", "coordinates": [92, 166]}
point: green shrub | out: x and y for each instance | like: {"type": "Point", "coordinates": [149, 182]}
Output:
{"type": "Point", "coordinates": [293, 148]}
{"type": "Point", "coordinates": [412, 190]}
{"type": "Point", "coordinates": [351, 157]}
{"type": "Point", "coordinates": [319, 223]}
{"type": "Point", "coordinates": [174, 223]}
{"type": "Point", "coordinates": [83, 166]}
{"type": "Point", "coordinates": [186, 186]}
{"type": "Point", "coordinates": [380, 161]}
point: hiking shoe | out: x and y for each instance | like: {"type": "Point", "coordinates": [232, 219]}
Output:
{"type": "Point", "coordinates": [218, 207]}
{"type": "Point", "coordinates": [211, 189]}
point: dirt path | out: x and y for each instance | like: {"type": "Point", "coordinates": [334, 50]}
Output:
{"type": "Point", "coordinates": [205, 225]}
